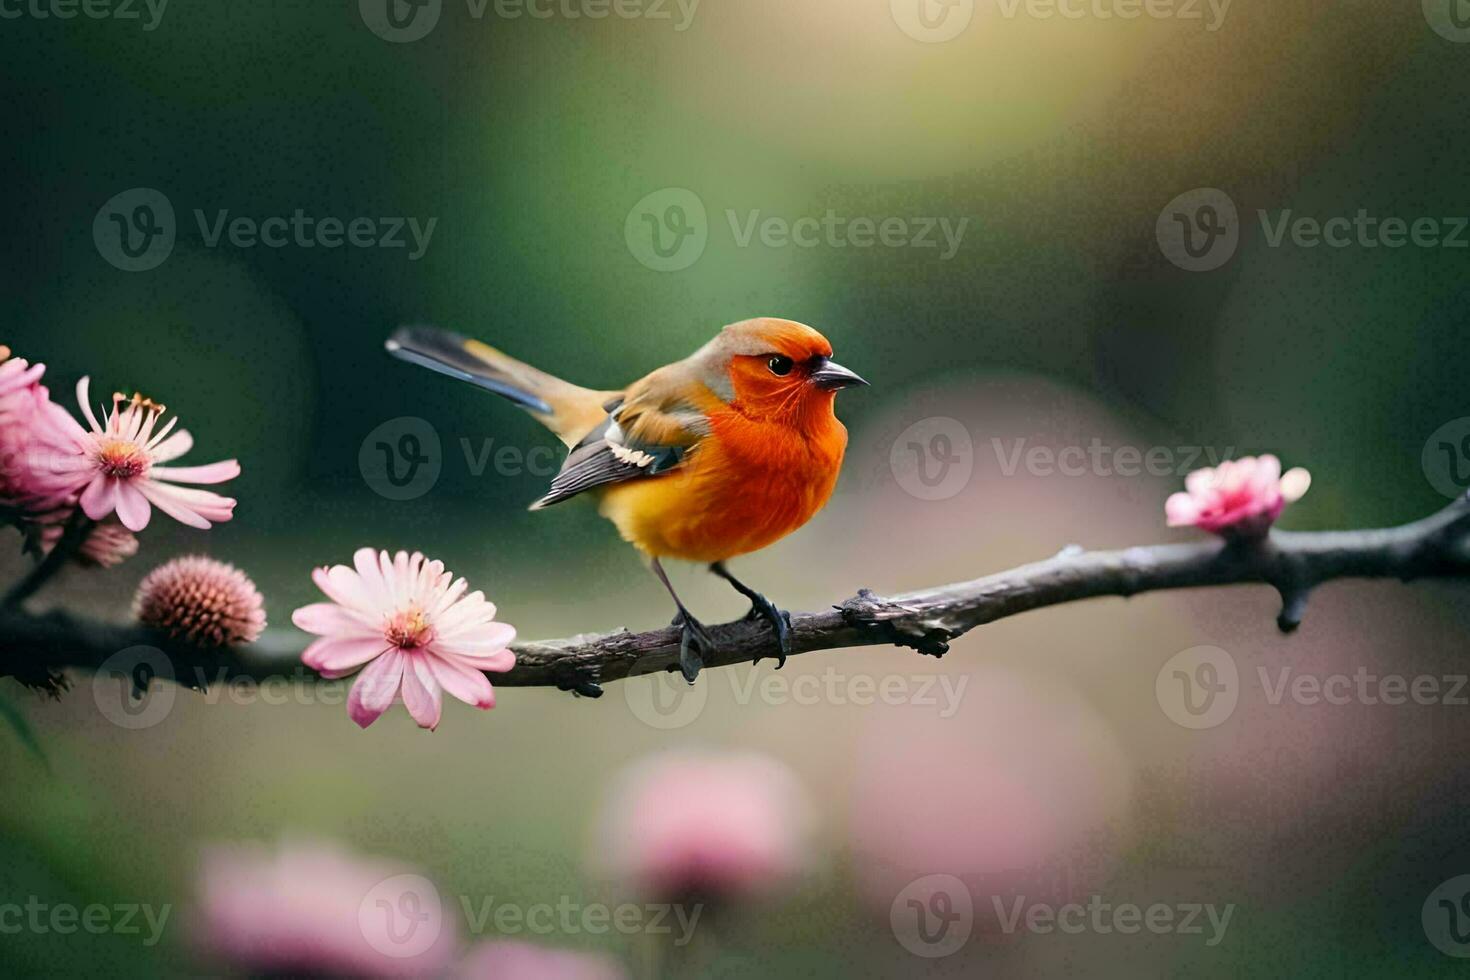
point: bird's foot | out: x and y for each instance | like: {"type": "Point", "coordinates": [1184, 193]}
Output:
{"type": "Point", "coordinates": [780, 620]}
{"type": "Point", "coordinates": [694, 643]}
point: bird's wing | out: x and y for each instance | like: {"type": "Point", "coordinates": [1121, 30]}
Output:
{"type": "Point", "coordinates": [650, 430]}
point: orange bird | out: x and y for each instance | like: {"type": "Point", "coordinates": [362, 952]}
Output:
{"type": "Point", "coordinates": [711, 457]}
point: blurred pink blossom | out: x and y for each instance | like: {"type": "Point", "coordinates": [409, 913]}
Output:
{"type": "Point", "coordinates": [1026, 786]}
{"type": "Point", "coordinates": [22, 400]}
{"type": "Point", "coordinates": [1238, 498]}
{"type": "Point", "coordinates": [113, 464]}
{"type": "Point", "coordinates": [310, 907]}
{"type": "Point", "coordinates": [106, 544]}
{"type": "Point", "coordinates": [411, 623]}
{"type": "Point", "coordinates": [514, 960]}
{"type": "Point", "coordinates": [706, 824]}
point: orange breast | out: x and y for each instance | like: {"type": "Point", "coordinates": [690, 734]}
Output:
{"type": "Point", "coordinates": [747, 485]}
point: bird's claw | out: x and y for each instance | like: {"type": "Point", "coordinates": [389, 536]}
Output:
{"type": "Point", "coordinates": [694, 643]}
{"type": "Point", "coordinates": [780, 621]}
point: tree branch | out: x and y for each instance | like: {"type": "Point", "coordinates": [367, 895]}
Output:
{"type": "Point", "coordinates": [35, 648]}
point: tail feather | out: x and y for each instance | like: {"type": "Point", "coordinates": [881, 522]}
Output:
{"type": "Point", "coordinates": [569, 411]}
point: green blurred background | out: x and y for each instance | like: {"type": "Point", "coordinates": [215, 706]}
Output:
{"type": "Point", "coordinates": [1058, 321]}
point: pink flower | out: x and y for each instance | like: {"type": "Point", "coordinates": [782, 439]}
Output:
{"type": "Point", "coordinates": [510, 959]}
{"type": "Point", "coordinates": [21, 399]}
{"type": "Point", "coordinates": [1238, 498]}
{"type": "Point", "coordinates": [703, 824]}
{"type": "Point", "coordinates": [202, 601]}
{"type": "Point", "coordinates": [311, 908]}
{"type": "Point", "coordinates": [411, 623]}
{"type": "Point", "coordinates": [114, 465]}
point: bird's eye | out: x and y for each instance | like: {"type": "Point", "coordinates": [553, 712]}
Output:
{"type": "Point", "coordinates": [780, 365]}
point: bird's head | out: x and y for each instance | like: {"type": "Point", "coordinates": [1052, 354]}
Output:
{"type": "Point", "coordinates": [772, 368]}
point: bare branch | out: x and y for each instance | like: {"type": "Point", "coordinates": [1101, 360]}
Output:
{"type": "Point", "coordinates": [35, 648]}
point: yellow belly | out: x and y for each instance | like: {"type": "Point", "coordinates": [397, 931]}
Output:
{"type": "Point", "coordinates": [713, 509]}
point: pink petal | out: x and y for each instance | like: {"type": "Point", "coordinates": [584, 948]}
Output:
{"type": "Point", "coordinates": [83, 398]}
{"type": "Point", "coordinates": [132, 507]}
{"type": "Point", "coordinates": [173, 447]}
{"type": "Point", "coordinates": [1294, 484]}
{"type": "Point", "coordinates": [1201, 480]}
{"type": "Point", "coordinates": [478, 639]}
{"type": "Point", "coordinates": [100, 498]}
{"type": "Point", "coordinates": [329, 619]}
{"type": "Point", "coordinates": [343, 586]}
{"type": "Point", "coordinates": [370, 572]}
{"type": "Point", "coordinates": [212, 473]}
{"type": "Point", "coordinates": [463, 682]}
{"type": "Point", "coordinates": [196, 508]}
{"type": "Point", "coordinates": [1181, 510]}
{"type": "Point", "coordinates": [496, 661]}
{"type": "Point", "coordinates": [421, 692]}
{"type": "Point", "coordinates": [375, 688]}
{"type": "Point", "coordinates": [343, 654]}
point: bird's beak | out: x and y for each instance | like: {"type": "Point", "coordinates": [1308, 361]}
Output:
{"type": "Point", "coordinates": [832, 376]}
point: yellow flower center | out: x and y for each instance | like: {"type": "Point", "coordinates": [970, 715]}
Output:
{"type": "Point", "coordinates": [121, 458]}
{"type": "Point", "coordinates": [408, 629]}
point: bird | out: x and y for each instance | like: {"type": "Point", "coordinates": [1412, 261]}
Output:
{"type": "Point", "coordinates": [703, 460]}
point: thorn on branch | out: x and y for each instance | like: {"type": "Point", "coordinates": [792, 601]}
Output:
{"type": "Point", "coordinates": [1293, 608]}
{"type": "Point", "coordinates": [865, 611]}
